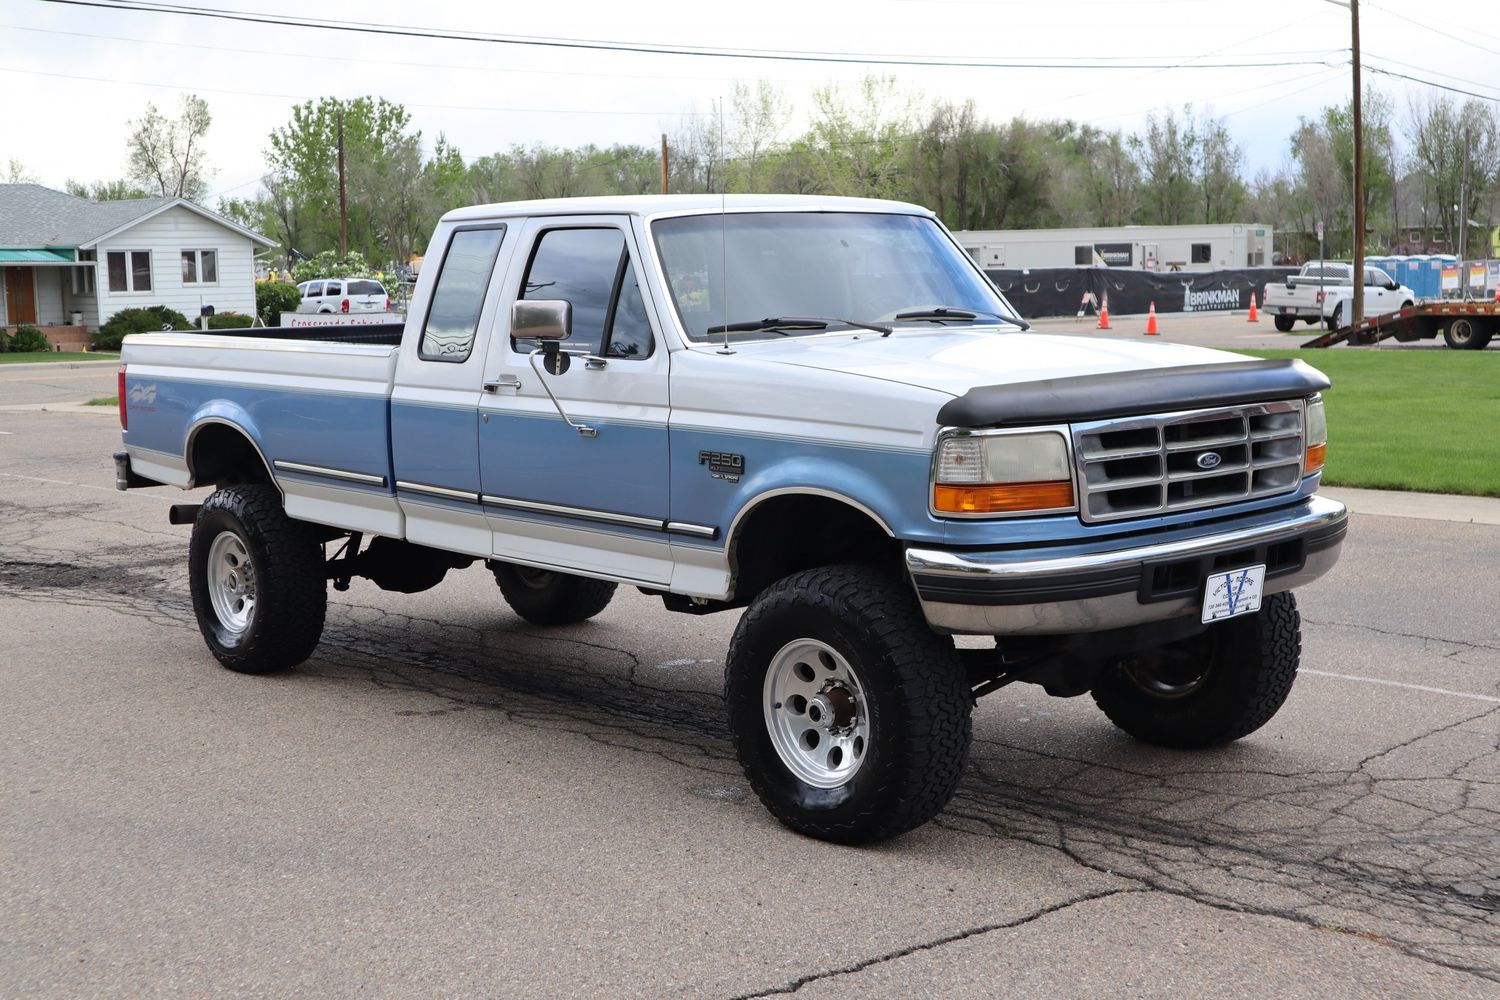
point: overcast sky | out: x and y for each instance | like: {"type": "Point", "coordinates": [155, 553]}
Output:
{"type": "Point", "coordinates": [74, 75]}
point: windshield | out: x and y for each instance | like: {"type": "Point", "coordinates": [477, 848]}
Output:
{"type": "Point", "coordinates": [860, 266]}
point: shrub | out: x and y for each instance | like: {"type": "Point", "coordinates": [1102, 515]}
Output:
{"type": "Point", "coordinates": [28, 338]}
{"type": "Point", "coordinates": [229, 321]}
{"type": "Point", "coordinates": [128, 321]}
{"type": "Point", "coordinates": [272, 298]}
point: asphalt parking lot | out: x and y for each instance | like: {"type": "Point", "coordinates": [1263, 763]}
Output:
{"type": "Point", "coordinates": [446, 801]}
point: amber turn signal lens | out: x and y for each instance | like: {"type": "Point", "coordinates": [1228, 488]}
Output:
{"type": "Point", "coordinates": [1006, 499]}
{"type": "Point", "coordinates": [1316, 455]}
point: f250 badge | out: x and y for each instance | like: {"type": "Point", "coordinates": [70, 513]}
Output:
{"type": "Point", "coordinates": [725, 465]}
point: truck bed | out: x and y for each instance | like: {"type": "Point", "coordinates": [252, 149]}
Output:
{"type": "Point", "coordinates": [317, 411]}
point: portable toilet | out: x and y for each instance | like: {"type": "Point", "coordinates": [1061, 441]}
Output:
{"type": "Point", "coordinates": [1439, 262]}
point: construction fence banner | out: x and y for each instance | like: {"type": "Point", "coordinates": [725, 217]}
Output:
{"type": "Point", "coordinates": [1070, 291]}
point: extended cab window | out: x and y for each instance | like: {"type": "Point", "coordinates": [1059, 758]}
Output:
{"type": "Point", "coordinates": [458, 298]}
{"type": "Point", "coordinates": [591, 269]}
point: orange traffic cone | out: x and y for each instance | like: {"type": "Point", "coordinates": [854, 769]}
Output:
{"type": "Point", "coordinates": [1254, 316]}
{"type": "Point", "coordinates": [1151, 330]}
{"type": "Point", "coordinates": [1104, 314]}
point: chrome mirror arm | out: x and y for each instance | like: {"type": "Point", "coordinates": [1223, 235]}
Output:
{"type": "Point", "coordinates": [583, 429]}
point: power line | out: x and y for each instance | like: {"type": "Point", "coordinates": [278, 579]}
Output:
{"type": "Point", "coordinates": [1437, 31]}
{"type": "Point", "coordinates": [329, 57]}
{"type": "Point", "coordinates": [597, 45]}
{"type": "Point", "coordinates": [1424, 69]}
{"type": "Point", "coordinates": [300, 98]}
{"type": "Point", "coordinates": [1434, 83]}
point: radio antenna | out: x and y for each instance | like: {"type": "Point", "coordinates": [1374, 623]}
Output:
{"type": "Point", "coordinates": [723, 229]}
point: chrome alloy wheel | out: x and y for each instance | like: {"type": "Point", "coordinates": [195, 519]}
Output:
{"type": "Point", "coordinates": [816, 713]}
{"type": "Point", "coordinates": [231, 581]}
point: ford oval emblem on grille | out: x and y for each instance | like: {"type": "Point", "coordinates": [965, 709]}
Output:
{"type": "Point", "coordinates": [1209, 460]}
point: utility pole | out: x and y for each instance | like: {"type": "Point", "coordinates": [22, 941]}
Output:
{"type": "Point", "coordinates": [1359, 181]}
{"type": "Point", "coordinates": [343, 208]}
{"type": "Point", "coordinates": [664, 163]}
{"type": "Point", "coordinates": [1463, 222]}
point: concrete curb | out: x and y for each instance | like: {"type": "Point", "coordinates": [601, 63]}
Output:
{"type": "Point", "coordinates": [1423, 506]}
{"type": "Point", "coordinates": [32, 366]}
{"type": "Point", "coordinates": [84, 408]}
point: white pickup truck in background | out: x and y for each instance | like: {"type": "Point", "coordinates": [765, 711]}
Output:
{"type": "Point", "coordinates": [1322, 290]}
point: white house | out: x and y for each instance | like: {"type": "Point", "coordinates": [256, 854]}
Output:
{"type": "Point", "coordinates": [67, 261]}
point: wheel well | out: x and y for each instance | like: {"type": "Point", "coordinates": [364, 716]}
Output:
{"type": "Point", "coordinates": [787, 534]}
{"type": "Point", "coordinates": [221, 455]}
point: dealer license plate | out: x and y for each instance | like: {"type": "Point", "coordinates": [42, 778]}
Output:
{"type": "Point", "coordinates": [1234, 593]}
{"type": "Point", "coordinates": [1288, 310]}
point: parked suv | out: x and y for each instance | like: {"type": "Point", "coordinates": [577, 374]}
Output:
{"type": "Point", "coordinates": [343, 295]}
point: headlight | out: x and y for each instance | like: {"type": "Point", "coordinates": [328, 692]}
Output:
{"type": "Point", "coordinates": [1002, 474]}
{"type": "Point", "coordinates": [1317, 436]}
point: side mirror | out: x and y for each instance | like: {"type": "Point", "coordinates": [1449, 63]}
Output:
{"type": "Point", "coordinates": [1392, 286]}
{"type": "Point", "coordinates": [541, 319]}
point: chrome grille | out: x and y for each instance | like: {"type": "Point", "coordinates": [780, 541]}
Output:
{"type": "Point", "coordinates": [1167, 462]}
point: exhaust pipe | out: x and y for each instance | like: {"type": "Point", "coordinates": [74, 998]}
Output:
{"type": "Point", "coordinates": [183, 513]}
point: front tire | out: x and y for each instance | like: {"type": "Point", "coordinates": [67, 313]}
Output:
{"type": "Point", "coordinates": [257, 581]}
{"type": "Point", "coordinates": [544, 597]}
{"type": "Point", "coordinates": [1211, 689]}
{"type": "Point", "coordinates": [849, 715]}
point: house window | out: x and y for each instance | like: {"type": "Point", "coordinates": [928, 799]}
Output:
{"type": "Point", "coordinates": [83, 280]}
{"type": "Point", "coordinates": [1203, 253]}
{"type": "Point", "coordinates": [129, 270]}
{"type": "Point", "coordinates": [200, 267]}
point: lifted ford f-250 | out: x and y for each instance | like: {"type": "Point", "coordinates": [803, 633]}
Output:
{"type": "Point", "coordinates": [817, 410]}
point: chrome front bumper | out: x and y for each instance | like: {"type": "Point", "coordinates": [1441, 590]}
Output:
{"type": "Point", "coordinates": [1075, 588]}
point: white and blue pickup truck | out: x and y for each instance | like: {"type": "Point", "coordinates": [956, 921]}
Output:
{"type": "Point", "coordinates": [818, 410]}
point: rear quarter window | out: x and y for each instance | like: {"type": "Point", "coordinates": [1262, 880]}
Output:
{"type": "Point", "coordinates": [458, 298]}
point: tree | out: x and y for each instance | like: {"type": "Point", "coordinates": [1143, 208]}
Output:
{"type": "Point", "coordinates": [16, 173]}
{"type": "Point", "coordinates": [166, 156]}
{"type": "Point", "coordinates": [303, 160]}
{"type": "Point", "coordinates": [120, 190]}
{"type": "Point", "coordinates": [759, 115]}
{"type": "Point", "coordinates": [1440, 132]}
{"type": "Point", "coordinates": [862, 140]}
{"type": "Point", "coordinates": [1166, 154]}
{"type": "Point", "coordinates": [1217, 160]}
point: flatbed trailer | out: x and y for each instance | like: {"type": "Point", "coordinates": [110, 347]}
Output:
{"type": "Point", "coordinates": [1465, 326]}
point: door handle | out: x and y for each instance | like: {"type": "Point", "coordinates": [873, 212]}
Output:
{"type": "Point", "coordinates": [501, 382]}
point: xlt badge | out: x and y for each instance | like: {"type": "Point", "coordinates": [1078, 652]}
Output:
{"type": "Point", "coordinates": [725, 465]}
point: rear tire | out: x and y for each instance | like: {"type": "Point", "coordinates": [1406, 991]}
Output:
{"type": "Point", "coordinates": [1285, 323]}
{"type": "Point", "coordinates": [849, 715]}
{"type": "Point", "coordinates": [544, 597]}
{"type": "Point", "coordinates": [1336, 321]}
{"type": "Point", "coordinates": [1211, 689]}
{"type": "Point", "coordinates": [257, 580]}
{"type": "Point", "coordinates": [1463, 334]}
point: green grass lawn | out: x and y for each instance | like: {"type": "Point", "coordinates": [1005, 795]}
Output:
{"type": "Point", "coordinates": [104, 401]}
{"type": "Point", "coordinates": [1410, 420]}
{"type": "Point", "coordinates": [32, 357]}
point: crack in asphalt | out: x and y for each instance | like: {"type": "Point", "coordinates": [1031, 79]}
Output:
{"type": "Point", "coordinates": [947, 939]}
{"type": "Point", "coordinates": [1406, 859]}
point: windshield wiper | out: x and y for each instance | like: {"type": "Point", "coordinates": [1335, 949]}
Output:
{"type": "Point", "coordinates": [940, 313]}
{"type": "Point", "coordinates": [778, 323]}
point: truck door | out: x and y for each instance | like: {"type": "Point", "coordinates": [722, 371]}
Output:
{"type": "Point", "coordinates": [434, 418]}
{"type": "Point", "coordinates": [588, 491]}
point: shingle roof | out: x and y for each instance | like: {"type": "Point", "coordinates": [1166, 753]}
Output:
{"type": "Point", "coordinates": [32, 216]}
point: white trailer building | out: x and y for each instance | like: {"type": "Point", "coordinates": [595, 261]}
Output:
{"type": "Point", "coordinates": [1150, 248]}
